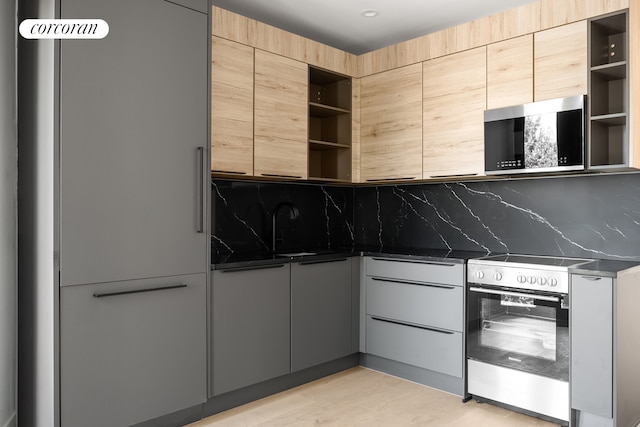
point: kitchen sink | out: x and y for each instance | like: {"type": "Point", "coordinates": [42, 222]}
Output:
{"type": "Point", "coordinates": [294, 254]}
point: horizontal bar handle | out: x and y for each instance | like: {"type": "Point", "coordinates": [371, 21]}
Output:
{"type": "Point", "coordinates": [253, 267]}
{"type": "Point", "coordinates": [412, 325]}
{"type": "Point", "coordinates": [454, 175]}
{"type": "Point", "coordinates": [275, 175]}
{"type": "Point", "coordinates": [137, 291]}
{"type": "Point", "coordinates": [515, 294]}
{"type": "Point", "coordinates": [229, 172]}
{"type": "Point", "coordinates": [592, 278]}
{"type": "Point", "coordinates": [403, 178]}
{"type": "Point", "coordinates": [406, 282]}
{"type": "Point", "coordinates": [324, 261]}
{"type": "Point", "coordinates": [408, 261]}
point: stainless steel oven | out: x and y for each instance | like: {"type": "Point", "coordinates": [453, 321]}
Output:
{"type": "Point", "coordinates": [518, 332]}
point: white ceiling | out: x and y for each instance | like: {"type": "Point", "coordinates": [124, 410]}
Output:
{"type": "Point", "coordinates": [339, 23]}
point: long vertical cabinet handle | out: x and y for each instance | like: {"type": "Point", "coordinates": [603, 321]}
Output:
{"type": "Point", "coordinates": [201, 187]}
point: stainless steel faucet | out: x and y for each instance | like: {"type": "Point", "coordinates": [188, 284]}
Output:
{"type": "Point", "coordinates": [293, 214]}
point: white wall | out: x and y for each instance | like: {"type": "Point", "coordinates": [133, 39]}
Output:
{"type": "Point", "coordinates": [8, 215]}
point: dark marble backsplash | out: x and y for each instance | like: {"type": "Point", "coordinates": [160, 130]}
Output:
{"type": "Point", "coordinates": [594, 216]}
{"type": "Point", "coordinates": [241, 216]}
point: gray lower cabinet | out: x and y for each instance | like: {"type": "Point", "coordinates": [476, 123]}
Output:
{"type": "Point", "coordinates": [321, 320]}
{"type": "Point", "coordinates": [592, 345]}
{"type": "Point", "coordinates": [605, 343]}
{"type": "Point", "coordinates": [250, 326]}
{"type": "Point", "coordinates": [415, 313]}
{"type": "Point", "coordinates": [132, 351]}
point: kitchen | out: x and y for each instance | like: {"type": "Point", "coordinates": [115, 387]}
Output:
{"type": "Point", "coordinates": [582, 215]}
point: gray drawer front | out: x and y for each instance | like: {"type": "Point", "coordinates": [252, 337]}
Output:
{"type": "Point", "coordinates": [439, 306]}
{"type": "Point", "coordinates": [428, 349]}
{"type": "Point", "coordinates": [129, 357]}
{"type": "Point", "coordinates": [417, 271]}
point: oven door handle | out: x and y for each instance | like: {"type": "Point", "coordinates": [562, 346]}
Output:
{"type": "Point", "coordinates": [515, 294]}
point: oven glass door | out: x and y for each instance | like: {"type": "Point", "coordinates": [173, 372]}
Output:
{"type": "Point", "coordinates": [518, 329]}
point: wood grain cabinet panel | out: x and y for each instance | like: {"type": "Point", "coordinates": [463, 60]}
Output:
{"type": "Point", "coordinates": [391, 132]}
{"type": "Point", "coordinates": [560, 61]}
{"type": "Point", "coordinates": [453, 105]}
{"type": "Point", "coordinates": [510, 72]}
{"type": "Point", "coordinates": [231, 107]}
{"type": "Point", "coordinates": [280, 116]}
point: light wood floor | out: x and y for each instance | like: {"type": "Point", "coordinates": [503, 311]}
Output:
{"type": "Point", "coordinates": [362, 397]}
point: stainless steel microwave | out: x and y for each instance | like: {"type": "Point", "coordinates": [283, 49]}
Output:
{"type": "Point", "coordinates": [544, 136]}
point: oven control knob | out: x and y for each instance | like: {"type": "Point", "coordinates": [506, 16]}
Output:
{"type": "Point", "coordinates": [497, 276]}
{"type": "Point", "coordinates": [531, 280]}
{"type": "Point", "coordinates": [521, 278]}
{"type": "Point", "coordinates": [553, 281]}
{"type": "Point", "coordinates": [479, 274]}
{"type": "Point", "coordinates": [542, 281]}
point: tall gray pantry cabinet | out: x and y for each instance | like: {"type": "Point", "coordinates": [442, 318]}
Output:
{"type": "Point", "coordinates": [114, 173]}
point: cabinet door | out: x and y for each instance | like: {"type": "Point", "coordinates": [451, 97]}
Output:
{"type": "Point", "coordinates": [560, 61]}
{"type": "Point", "coordinates": [281, 105]}
{"type": "Point", "coordinates": [251, 326]}
{"type": "Point", "coordinates": [592, 345]}
{"type": "Point", "coordinates": [320, 312]}
{"type": "Point", "coordinates": [454, 104]}
{"type": "Point", "coordinates": [133, 114]}
{"type": "Point", "coordinates": [510, 72]}
{"type": "Point", "coordinates": [231, 107]}
{"type": "Point", "coordinates": [391, 125]}
{"type": "Point", "coordinates": [132, 351]}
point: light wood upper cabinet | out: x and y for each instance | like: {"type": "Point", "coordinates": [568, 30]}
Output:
{"type": "Point", "coordinates": [560, 61]}
{"type": "Point", "coordinates": [391, 130]}
{"type": "Point", "coordinates": [280, 115]}
{"type": "Point", "coordinates": [510, 72]}
{"type": "Point", "coordinates": [453, 105]}
{"type": "Point", "coordinates": [231, 107]}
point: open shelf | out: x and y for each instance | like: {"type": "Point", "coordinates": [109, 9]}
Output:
{"type": "Point", "coordinates": [329, 126]}
{"type": "Point", "coordinates": [323, 145]}
{"type": "Point", "coordinates": [320, 110]}
{"type": "Point", "coordinates": [608, 92]}
{"type": "Point", "coordinates": [608, 39]}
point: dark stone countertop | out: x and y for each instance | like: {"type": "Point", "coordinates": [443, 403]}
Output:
{"type": "Point", "coordinates": [597, 267]}
{"type": "Point", "coordinates": [248, 260]}
{"type": "Point", "coordinates": [438, 255]}
{"type": "Point", "coordinates": [603, 267]}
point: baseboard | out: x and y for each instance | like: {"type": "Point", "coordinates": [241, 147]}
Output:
{"type": "Point", "coordinates": [426, 377]}
{"type": "Point", "coordinates": [239, 397]}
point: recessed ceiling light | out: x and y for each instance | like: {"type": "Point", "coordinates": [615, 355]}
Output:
{"type": "Point", "coordinates": [369, 13]}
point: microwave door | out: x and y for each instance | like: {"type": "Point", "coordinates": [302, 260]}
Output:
{"type": "Point", "coordinates": [570, 147]}
{"type": "Point", "coordinates": [504, 145]}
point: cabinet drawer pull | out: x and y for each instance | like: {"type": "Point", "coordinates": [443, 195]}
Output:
{"type": "Point", "coordinates": [275, 175]}
{"type": "Point", "coordinates": [257, 267]}
{"type": "Point", "coordinates": [411, 325]}
{"type": "Point", "coordinates": [137, 291]}
{"type": "Point", "coordinates": [460, 175]}
{"type": "Point", "coordinates": [228, 172]}
{"type": "Point", "coordinates": [322, 261]}
{"type": "Point", "coordinates": [403, 178]}
{"type": "Point", "coordinates": [407, 261]}
{"type": "Point", "coordinates": [406, 282]}
{"type": "Point", "coordinates": [592, 278]}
